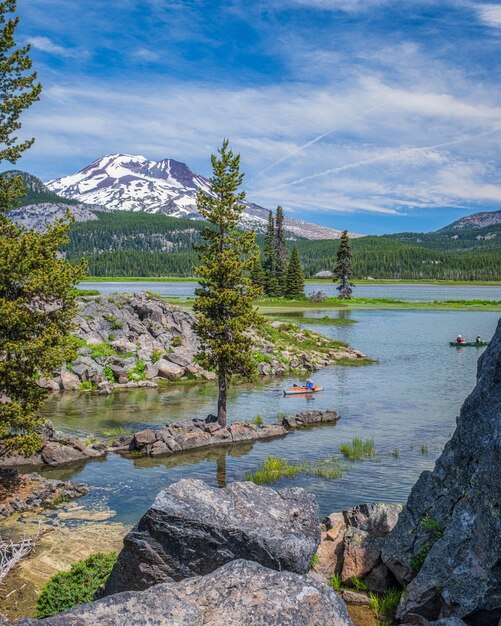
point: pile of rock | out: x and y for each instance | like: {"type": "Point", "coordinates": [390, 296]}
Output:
{"type": "Point", "coordinates": [24, 492]}
{"type": "Point", "coordinates": [139, 340]}
{"type": "Point", "coordinates": [237, 555]}
{"type": "Point", "coordinates": [57, 449]}
{"type": "Point", "coordinates": [351, 547]}
{"type": "Point", "coordinates": [192, 434]}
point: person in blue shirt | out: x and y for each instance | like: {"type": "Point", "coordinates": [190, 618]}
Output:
{"type": "Point", "coordinates": [309, 384]}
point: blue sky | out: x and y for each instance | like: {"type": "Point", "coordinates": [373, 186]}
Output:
{"type": "Point", "coordinates": [372, 115]}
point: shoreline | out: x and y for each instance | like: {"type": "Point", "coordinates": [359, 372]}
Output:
{"type": "Point", "coordinates": [326, 281]}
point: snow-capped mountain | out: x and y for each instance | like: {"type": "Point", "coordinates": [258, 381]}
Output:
{"type": "Point", "coordinates": [134, 183]}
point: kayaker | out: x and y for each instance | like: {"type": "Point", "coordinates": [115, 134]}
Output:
{"type": "Point", "coordinates": [460, 339]}
{"type": "Point", "coordinates": [478, 339]}
{"type": "Point", "coordinates": [309, 384]}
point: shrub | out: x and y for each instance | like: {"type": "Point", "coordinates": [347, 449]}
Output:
{"type": "Point", "coordinates": [137, 372]}
{"type": "Point", "coordinates": [108, 372]}
{"type": "Point", "coordinates": [176, 342]}
{"type": "Point", "coordinates": [317, 296]}
{"type": "Point", "coordinates": [156, 355]}
{"type": "Point", "coordinates": [258, 420]}
{"type": "Point", "coordinates": [99, 350]}
{"type": "Point", "coordinates": [78, 586]}
{"type": "Point", "coordinates": [85, 385]}
{"type": "Point", "coordinates": [113, 322]}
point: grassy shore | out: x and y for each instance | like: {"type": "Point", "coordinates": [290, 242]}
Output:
{"type": "Point", "coordinates": [282, 307]}
{"type": "Point", "coordinates": [326, 281]}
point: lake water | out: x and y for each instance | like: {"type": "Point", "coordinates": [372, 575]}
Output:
{"type": "Point", "coordinates": [407, 401]}
{"type": "Point", "coordinates": [410, 293]}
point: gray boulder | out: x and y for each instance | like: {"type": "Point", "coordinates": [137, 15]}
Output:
{"type": "Point", "coordinates": [446, 545]}
{"type": "Point", "coordinates": [192, 529]}
{"type": "Point", "coordinates": [239, 593]}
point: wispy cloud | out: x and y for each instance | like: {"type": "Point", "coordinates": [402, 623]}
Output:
{"type": "Point", "coordinates": [45, 44]}
{"type": "Point", "coordinates": [490, 14]}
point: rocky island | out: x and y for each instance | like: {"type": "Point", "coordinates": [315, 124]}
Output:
{"type": "Point", "coordinates": [126, 341]}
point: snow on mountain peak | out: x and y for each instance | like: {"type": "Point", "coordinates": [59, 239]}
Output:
{"type": "Point", "coordinates": [134, 183]}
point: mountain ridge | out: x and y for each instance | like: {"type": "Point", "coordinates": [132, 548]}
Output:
{"type": "Point", "coordinates": [134, 183]}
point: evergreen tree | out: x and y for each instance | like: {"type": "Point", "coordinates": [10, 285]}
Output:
{"type": "Point", "coordinates": [269, 265]}
{"type": "Point", "coordinates": [36, 303]}
{"type": "Point", "coordinates": [280, 250]}
{"type": "Point", "coordinates": [257, 274]}
{"type": "Point", "coordinates": [294, 282]}
{"type": "Point", "coordinates": [224, 300]}
{"type": "Point", "coordinates": [342, 270]}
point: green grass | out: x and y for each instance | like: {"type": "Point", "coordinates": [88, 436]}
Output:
{"type": "Point", "coordinates": [86, 385]}
{"type": "Point", "coordinates": [314, 560]}
{"type": "Point", "coordinates": [384, 605]}
{"type": "Point", "coordinates": [358, 584]}
{"type": "Point", "coordinates": [336, 582]}
{"type": "Point", "coordinates": [138, 371]}
{"type": "Point", "coordinates": [274, 468]}
{"type": "Point", "coordinates": [359, 449]}
{"type": "Point", "coordinates": [345, 362]}
{"type": "Point", "coordinates": [78, 586]}
{"type": "Point", "coordinates": [317, 321]}
{"type": "Point", "coordinates": [85, 292]}
{"type": "Point", "coordinates": [101, 350]}
{"type": "Point", "coordinates": [258, 420]}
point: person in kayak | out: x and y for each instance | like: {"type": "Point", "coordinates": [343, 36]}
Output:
{"type": "Point", "coordinates": [478, 339]}
{"type": "Point", "coordinates": [459, 339]}
{"type": "Point", "coordinates": [309, 384]}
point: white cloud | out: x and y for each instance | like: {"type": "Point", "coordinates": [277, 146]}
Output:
{"type": "Point", "coordinates": [45, 44]}
{"type": "Point", "coordinates": [490, 14]}
{"type": "Point", "coordinates": [144, 54]}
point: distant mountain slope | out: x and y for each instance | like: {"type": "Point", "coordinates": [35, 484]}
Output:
{"type": "Point", "coordinates": [476, 220]}
{"type": "Point", "coordinates": [476, 232]}
{"type": "Point", "coordinates": [124, 243]}
{"type": "Point", "coordinates": [134, 183]}
{"type": "Point", "coordinates": [36, 191]}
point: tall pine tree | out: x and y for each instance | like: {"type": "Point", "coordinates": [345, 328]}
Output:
{"type": "Point", "coordinates": [271, 287]}
{"type": "Point", "coordinates": [37, 304]}
{"type": "Point", "coordinates": [342, 270]}
{"type": "Point", "coordinates": [224, 300]}
{"type": "Point", "coordinates": [280, 251]}
{"type": "Point", "coordinates": [294, 282]}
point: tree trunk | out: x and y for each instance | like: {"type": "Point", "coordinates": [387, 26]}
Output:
{"type": "Point", "coordinates": [221, 471]}
{"type": "Point", "coordinates": [221, 401]}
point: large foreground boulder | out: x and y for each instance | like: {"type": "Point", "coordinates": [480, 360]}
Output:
{"type": "Point", "coordinates": [446, 545]}
{"type": "Point", "coordinates": [239, 593]}
{"type": "Point", "coordinates": [192, 529]}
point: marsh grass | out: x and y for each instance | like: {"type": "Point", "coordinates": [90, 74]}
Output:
{"type": "Point", "coordinates": [359, 449]}
{"type": "Point", "coordinates": [355, 362]}
{"type": "Point", "coordinates": [358, 584]}
{"type": "Point", "coordinates": [317, 321]}
{"type": "Point", "coordinates": [117, 431]}
{"type": "Point", "coordinates": [274, 468]}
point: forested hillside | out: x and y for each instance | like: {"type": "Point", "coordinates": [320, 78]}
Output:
{"type": "Point", "coordinates": [464, 239]}
{"type": "Point", "coordinates": [123, 243]}
{"type": "Point", "coordinates": [36, 191]}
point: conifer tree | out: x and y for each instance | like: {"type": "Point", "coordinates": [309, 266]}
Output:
{"type": "Point", "coordinates": [37, 305]}
{"type": "Point", "coordinates": [280, 250]}
{"type": "Point", "coordinates": [269, 265]}
{"type": "Point", "coordinates": [294, 282]}
{"type": "Point", "coordinates": [224, 300]}
{"type": "Point", "coordinates": [342, 270]}
{"type": "Point", "coordinates": [257, 274]}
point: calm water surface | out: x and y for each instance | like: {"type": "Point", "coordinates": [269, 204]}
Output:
{"type": "Point", "coordinates": [410, 293]}
{"type": "Point", "coordinates": [409, 399]}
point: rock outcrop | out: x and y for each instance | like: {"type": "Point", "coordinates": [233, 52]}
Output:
{"type": "Point", "coordinates": [192, 434]}
{"type": "Point", "coordinates": [446, 545]}
{"type": "Point", "coordinates": [351, 545]}
{"type": "Point", "coordinates": [240, 592]}
{"type": "Point", "coordinates": [192, 529]}
{"type": "Point", "coordinates": [57, 449]}
{"type": "Point", "coordinates": [139, 340]}
{"type": "Point", "coordinates": [25, 492]}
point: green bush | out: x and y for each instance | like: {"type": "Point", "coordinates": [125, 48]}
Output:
{"type": "Point", "coordinates": [137, 372]}
{"type": "Point", "coordinates": [78, 586]}
{"type": "Point", "coordinates": [156, 355]}
{"type": "Point", "coordinates": [102, 350]}
{"type": "Point", "coordinates": [108, 372]}
{"type": "Point", "coordinates": [176, 342]}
